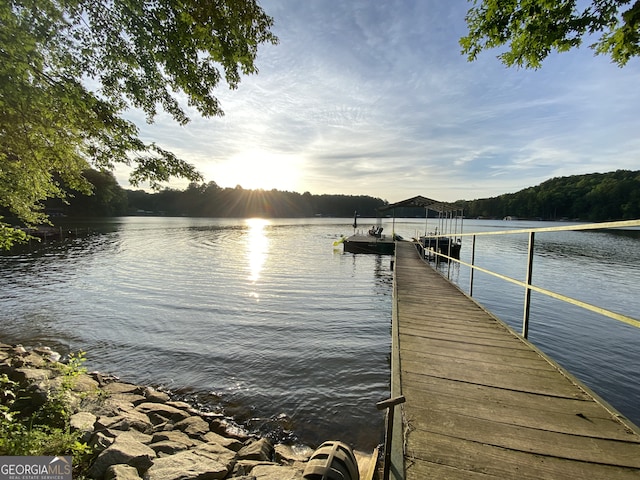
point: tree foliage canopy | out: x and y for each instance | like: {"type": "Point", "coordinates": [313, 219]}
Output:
{"type": "Point", "coordinates": [210, 200]}
{"type": "Point", "coordinates": [534, 28]}
{"type": "Point", "coordinates": [593, 197]}
{"type": "Point", "coordinates": [69, 69]}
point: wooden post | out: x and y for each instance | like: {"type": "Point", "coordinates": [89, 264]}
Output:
{"type": "Point", "coordinates": [389, 406]}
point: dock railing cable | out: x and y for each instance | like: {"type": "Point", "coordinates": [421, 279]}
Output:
{"type": "Point", "coordinates": [527, 284]}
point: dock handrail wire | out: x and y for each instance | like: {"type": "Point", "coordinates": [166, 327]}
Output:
{"type": "Point", "coordinates": [527, 284]}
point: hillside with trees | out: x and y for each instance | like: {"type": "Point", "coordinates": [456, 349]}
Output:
{"type": "Point", "coordinates": [594, 197]}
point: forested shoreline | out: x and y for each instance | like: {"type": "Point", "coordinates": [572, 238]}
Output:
{"type": "Point", "coordinates": [592, 197]}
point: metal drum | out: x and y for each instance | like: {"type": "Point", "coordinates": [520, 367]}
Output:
{"type": "Point", "coordinates": [332, 461]}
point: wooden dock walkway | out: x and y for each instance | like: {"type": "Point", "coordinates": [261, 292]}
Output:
{"type": "Point", "coordinates": [483, 403]}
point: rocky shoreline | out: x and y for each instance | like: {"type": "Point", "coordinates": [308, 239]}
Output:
{"type": "Point", "coordinates": [138, 432]}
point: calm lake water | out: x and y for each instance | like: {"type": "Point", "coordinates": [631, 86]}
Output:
{"type": "Point", "coordinates": [266, 321]}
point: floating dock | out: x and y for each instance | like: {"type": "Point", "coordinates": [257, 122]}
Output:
{"type": "Point", "coordinates": [363, 243]}
{"type": "Point", "coordinates": [482, 402]}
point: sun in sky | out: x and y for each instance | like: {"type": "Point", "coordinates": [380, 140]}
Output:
{"type": "Point", "coordinates": [254, 169]}
{"type": "Point", "coordinates": [337, 111]}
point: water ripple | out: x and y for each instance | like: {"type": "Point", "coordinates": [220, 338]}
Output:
{"type": "Point", "coordinates": [263, 317]}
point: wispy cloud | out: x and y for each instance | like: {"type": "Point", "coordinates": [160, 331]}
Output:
{"type": "Point", "coordinates": [375, 98]}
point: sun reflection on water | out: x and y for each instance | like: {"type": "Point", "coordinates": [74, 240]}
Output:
{"type": "Point", "coordinates": [257, 247]}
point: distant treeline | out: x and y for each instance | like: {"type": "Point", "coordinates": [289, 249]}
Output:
{"type": "Point", "coordinates": [208, 200]}
{"type": "Point", "coordinates": [593, 197]}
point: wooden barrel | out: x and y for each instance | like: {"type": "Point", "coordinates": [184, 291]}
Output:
{"type": "Point", "coordinates": [332, 461]}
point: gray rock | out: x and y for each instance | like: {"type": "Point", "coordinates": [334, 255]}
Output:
{"type": "Point", "coordinates": [121, 472]}
{"type": "Point", "coordinates": [19, 350]}
{"type": "Point", "coordinates": [244, 467]}
{"type": "Point", "coordinates": [121, 387]}
{"type": "Point", "coordinates": [125, 401]}
{"type": "Point", "coordinates": [134, 398]}
{"type": "Point", "coordinates": [205, 462]}
{"type": "Point", "coordinates": [124, 450]}
{"type": "Point", "coordinates": [47, 353]}
{"type": "Point", "coordinates": [137, 421]}
{"type": "Point", "coordinates": [4, 354]}
{"type": "Point", "coordinates": [175, 436]}
{"type": "Point", "coordinates": [182, 406]}
{"type": "Point", "coordinates": [105, 422]}
{"type": "Point", "coordinates": [230, 443]}
{"type": "Point", "coordinates": [30, 375]}
{"type": "Point", "coordinates": [154, 396]}
{"type": "Point", "coordinates": [32, 359]}
{"type": "Point", "coordinates": [261, 449]}
{"type": "Point", "coordinates": [134, 435]}
{"type": "Point", "coordinates": [276, 472]}
{"type": "Point", "coordinates": [85, 384]}
{"type": "Point", "coordinates": [108, 407]}
{"type": "Point", "coordinates": [83, 422]}
{"type": "Point", "coordinates": [37, 395]}
{"type": "Point", "coordinates": [100, 441]}
{"type": "Point", "coordinates": [126, 421]}
{"type": "Point", "coordinates": [168, 447]}
{"type": "Point", "coordinates": [119, 419]}
{"type": "Point", "coordinates": [159, 412]}
{"type": "Point", "coordinates": [287, 454]}
{"type": "Point", "coordinates": [213, 450]}
{"type": "Point", "coordinates": [223, 427]}
{"type": "Point", "coordinates": [193, 426]}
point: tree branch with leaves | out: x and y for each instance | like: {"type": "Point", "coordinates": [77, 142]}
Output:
{"type": "Point", "coordinates": [70, 69]}
{"type": "Point", "coordinates": [532, 29]}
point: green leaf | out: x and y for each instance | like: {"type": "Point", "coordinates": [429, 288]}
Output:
{"type": "Point", "coordinates": [70, 70]}
{"type": "Point", "coordinates": [528, 31]}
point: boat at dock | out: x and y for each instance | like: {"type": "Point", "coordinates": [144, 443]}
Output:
{"type": "Point", "coordinates": [373, 241]}
{"type": "Point", "coordinates": [367, 243]}
{"type": "Point", "coordinates": [430, 245]}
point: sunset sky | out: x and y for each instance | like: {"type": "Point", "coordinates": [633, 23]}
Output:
{"type": "Point", "coordinates": [375, 98]}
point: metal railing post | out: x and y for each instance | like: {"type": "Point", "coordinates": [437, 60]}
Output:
{"type": "Point", "coordinates": [389, 406]}
{"type": "Point", "coordinates": [473, 262]}
{"type": "Point", "coordinates": [528, 285]}
{"type": "Point", "coordinates": [527, 292]}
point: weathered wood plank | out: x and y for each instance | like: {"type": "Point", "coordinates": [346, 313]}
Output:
{"type": "Point", "coordinates": [479, 365]}
{"type": "Point", "coordinates": [456, 341]}
{"type": "Point", "coordinates": [509, 376]}
{"type": "Point", "coordinates": [519, 408]}
{"type": "Point", "coordinates": [538, 441]}
{"type": "Point", "coordinates": [465, 457]}
{"type": "Point", "coordinates": [482, 403]}
{"type": "Point", "coordinates": [454, 347]}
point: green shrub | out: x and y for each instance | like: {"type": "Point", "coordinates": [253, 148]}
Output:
{"type": "Point", "coordinates": [47, 430]}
